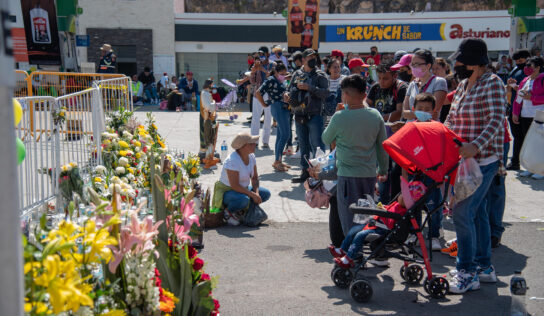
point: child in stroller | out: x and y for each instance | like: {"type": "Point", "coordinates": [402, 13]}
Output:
{"type": "Point", "coordinates": [422, 149]}
{"type": "Point", "coordinates": [376, 226]}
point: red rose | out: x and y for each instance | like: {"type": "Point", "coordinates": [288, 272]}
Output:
{"type": "Point", "coordinates": [217, 305]}
{"type": "Point", "coordinates": [214, 313]}
{"type": "Point", "coordinates": [192, 252]}
{"type": "Point", "coordinates": [204, 277]}
{"type": "Point", "coordinates": [198, 264]}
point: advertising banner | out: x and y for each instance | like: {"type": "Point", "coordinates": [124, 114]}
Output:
{"type": "Point", "coordinates": [303, 25]}
{"type": "Point", "coordinates": [381, 32]}
{"type": "Point", "coordinates": [41, 31]}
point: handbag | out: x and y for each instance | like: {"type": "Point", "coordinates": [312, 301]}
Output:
{"type": "Point", "coordinates": [316, 195]}
{"type": "Point", "coordinates": [254, 216]}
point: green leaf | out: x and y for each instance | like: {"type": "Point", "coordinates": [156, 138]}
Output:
{"type": "Point", "coordinates": [201, 300]}
{"type": "Point", "coordinates": [186, 290]}
{"type": "Point", "coordinates": [71, 208]}
{"type": "Point", "coordinates": [169, 276]}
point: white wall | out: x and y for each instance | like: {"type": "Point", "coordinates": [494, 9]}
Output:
{"type": "Point", "coordinates": [157, 15]}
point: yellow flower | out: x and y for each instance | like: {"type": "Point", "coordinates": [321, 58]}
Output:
{"type": "Point", "coordinates": [96, 244]}
{"type": "Point", "coordinates": [137, 155]}
{"type": "Point", "coordinates": [123, 153]}
{"type": "Point", "coordinates": [193, 171]}
{"type": "Point", "coordinates": [97, 179]}
{"type": "Point", "coordinates": [38, 307]}
{"type": "Point", "coordinates": [137, 144]}
{"type": "Point", "coordinates": [73, 164]}
{"type": "Point", "coordinates": [161, 143]}
{"type": "Point", "coordinates": [154, 126]}
{"type": "Point", "coordinates": [115, 312]}
{"type": "Point", "coordinates": [123, 144]}
{"type": "Point", "coordinates": [178, 164]}
{"type": "Point", "coordinates": [106, 142]}
{"type": "Point", "coordinates": [105, 186]}
{"type": "Point", "coordinates": [61, 113]}
{"type": "Point", "coordinates": [130, 170]}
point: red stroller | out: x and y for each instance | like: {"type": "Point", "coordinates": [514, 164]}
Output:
{"type": "Point", "coordinates": [428, 149]}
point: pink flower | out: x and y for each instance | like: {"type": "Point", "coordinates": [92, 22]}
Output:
{"type": "Point", "coordinates": [189, 218]}
{"type": "Point", "coordinates": [204, 277]}
{"type": "Point", "coordinates": [217, 305]}
{"type": "Point", "coordinates": [198, 264]}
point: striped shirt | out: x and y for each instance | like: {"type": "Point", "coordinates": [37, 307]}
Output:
{"type": "Point", "coordinates": [478, 116]}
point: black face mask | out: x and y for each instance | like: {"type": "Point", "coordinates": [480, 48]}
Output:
{"type": "Point", "coordinates": [312, 63]}
{"type": "Point", "coordinates": [521, 66]}
{"type": "Point", "coordinates": [462, 72]}
{"type": "Point", "coordinates": [372, 53]}
{"type": "Point", "coordinates": [405, 76]}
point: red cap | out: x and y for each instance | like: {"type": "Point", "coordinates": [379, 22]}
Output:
{"type": "Point", "coordinates": [189, 72]}
{"type": "Point", "coordinates": [357, 62]}
{"type": "Point", "coordinates": [338, 53]}
{"type": "Point", "coordinates": [404, 61]}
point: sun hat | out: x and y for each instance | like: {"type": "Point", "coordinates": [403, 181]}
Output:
{"type": "Point", "coordinates": [242, 139]}
{"type": "Point", "coordinates": [106, 47]}
{"type": "Point", "coordinates": [404, 62]}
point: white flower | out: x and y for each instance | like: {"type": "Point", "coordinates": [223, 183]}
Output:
{"type": "Point", "coordinates": [66, 168]}
{"type": "Point", "coordinates": [100, 169]}
{"type": "Point", "coordinates": [115, 180]}
{"type": "Point", "coordinates": [120, 170]}
{"type": "Point", "coordinates": [137, 149]}
{"type": "Point", "coordinates": [127, 135]}
{"type": "Point", "coordinates": [123, 161]}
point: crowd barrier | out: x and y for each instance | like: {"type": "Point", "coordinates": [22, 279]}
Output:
{"type": "Point", "coordinates": [51, 142]}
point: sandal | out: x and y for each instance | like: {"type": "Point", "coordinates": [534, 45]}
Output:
{"type": "Point", "coordinates": [279, 167]}
{"type": "Point", "coordinates": [285, 166]}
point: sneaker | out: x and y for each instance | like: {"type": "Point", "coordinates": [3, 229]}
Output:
{"type": "Point", "coordinates": [463, 282]}
{"type": "Point", "coordinates": [525, 173]}
{"type": "Point", "coordinates": [453, 272]}
{"type": "Point", "coordinates": [295, 155]}
{"type": "Point", "coordinates": [512, 167]}
{"type": "Point", "coordinates": [449, 250]}
{"type": "Point", "coordinates": [345, 262]}
{"type": "Point", "coordinates": [435, 245]}
{"type": "Point", "coordinates": [379, 262]}
{"type": "Point", "coordinates": [451, 241]}
{"type": "Point", "coordinates": [336, 252]}
{"type": "Point", "coordinates": [487, 275]}
{"type": "Point", "coordinates": [537, 177]}
{"type": "Point", "coordinates": [231, 219]}
{"type": "Point", "coordinates": [453, 254]}
{"type": "Point", "coordinates": [265, 146]}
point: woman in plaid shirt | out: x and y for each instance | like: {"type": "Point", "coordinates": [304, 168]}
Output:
{"type": "Point", "coordinates": [477, 115]}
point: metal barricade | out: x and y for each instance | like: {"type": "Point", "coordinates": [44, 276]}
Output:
{"type": "Point", "coordinates": [21, 84]}
{"type": "Point", "coordinates": [55, 84]}
{"type": "Point", "coordinates": [116, 93]}
{"type": "Point", "coordinates": [37, 172]}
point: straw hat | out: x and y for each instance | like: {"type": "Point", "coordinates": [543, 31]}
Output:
{"type": "Point", "coordinates": [106, 47]}
{"type": "Point", "coordinates": [242, 139]}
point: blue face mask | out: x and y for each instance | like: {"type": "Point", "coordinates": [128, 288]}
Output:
{"type": "Point", "coordinates": [423, 116]}
{"type": "Point", "coordinates": [346, 106]}
{"type": "Point", "coordinates": [280, 53]}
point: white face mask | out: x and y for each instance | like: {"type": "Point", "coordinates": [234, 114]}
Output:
{"type": "Point", "coordinates": [214, 91]}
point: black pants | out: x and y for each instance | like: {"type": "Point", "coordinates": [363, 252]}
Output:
{"type": "Point", "coordinates": [525, 124]}
{"type": "Point", "coordinates": [444, 111]}
{"type": "Point", "coordinates": [335, 227]}
{"type": "Point", "coordinates": [519, 136]}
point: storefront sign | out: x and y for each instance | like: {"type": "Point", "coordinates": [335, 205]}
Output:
{"type": "Point", "coordinates": [381, 32]}
{"type": "Point", "coordinates": [82, 40]}
{"type": "Point", "coordinates": [303, 25]}
{"type": "Point", "coordinates": [457, 31]}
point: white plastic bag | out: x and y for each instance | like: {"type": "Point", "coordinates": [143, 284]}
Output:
{"type": "Point", "coordinates": [469, 178]}
{"type": "Point", "coordinates": [532, 151]}
{"type": "Point", "coordinates": [363, 219]}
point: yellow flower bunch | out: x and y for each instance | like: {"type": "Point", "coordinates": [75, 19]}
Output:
{"type": "Point", "coordinates": [137, 143]}
{"type": "Point", "coordinates": [123, 153]}
{"type": "Point", "coordinates": [123, 144]}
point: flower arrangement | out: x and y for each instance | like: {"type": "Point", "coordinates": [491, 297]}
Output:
{"type": "Point", "coordinates": [191, 165]}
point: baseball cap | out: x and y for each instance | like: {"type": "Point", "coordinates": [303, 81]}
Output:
{"type": "Point", "coordinates": [337, 52]}
{"type": "Point", "coordinates": [357, 62]}
{"type": "Point", "coordinates": [472, 52]}
{"type": "Point", "coordinates": [242, 139]}
{"type": "Point", "coordinates": [404, 61]}
{"type": "Point", "coordinates": [308, 52]}
{"type": "Point", "coordinates": [398, 55]}
{"type": "Point", "coordinates": [189, 72]}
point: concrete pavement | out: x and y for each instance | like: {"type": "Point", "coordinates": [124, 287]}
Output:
{"type": "Point", "coordinates": [282, 268]}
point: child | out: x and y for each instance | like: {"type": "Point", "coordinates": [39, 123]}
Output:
{"type": "Point", "coordinates": [353, 243]}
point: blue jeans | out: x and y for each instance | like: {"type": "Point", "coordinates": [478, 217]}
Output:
{"type": "Point", "coordinates": [506, 150]}
{"type": "Point", "coordinates": [236, 201]}
{"type": "Point", "coordinates": [471, 219]}
{"type": "Point", "coordinates": [385, 187]}
{"type": "Point", "coordinates": [309, 138]}
{"type": "Point", "coordinates": [353, 243]}
{"type": "Point", "coordinates": [281, 116]}
{"type": "Point", "coordinates": [151, 92]}
{"type": "Point", "coordinates": [495, 202]}
{"type": "Point", "coordinates": [290, 140]}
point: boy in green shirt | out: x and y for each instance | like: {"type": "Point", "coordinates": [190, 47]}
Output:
{"type": "Point", "coordinates": [358, 132]}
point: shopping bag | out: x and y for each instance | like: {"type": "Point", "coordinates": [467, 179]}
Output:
{"type": "Point", "coordinates": [532, 151]}
{"type": "Point", "coordinates": [469, 178]}
{"type": "Point", "coordinates": [254, 216]}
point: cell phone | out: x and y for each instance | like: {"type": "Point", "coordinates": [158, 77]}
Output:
{"type": "Point", "coordinates": [308, 161]}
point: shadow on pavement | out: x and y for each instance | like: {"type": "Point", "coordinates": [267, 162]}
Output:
{"type": "Point", "coordinates": [318, 255]}
{"type": "Point", "coordinates": [238, 231]}
{"type": "Point", "coordinates": [275, 176]}
{"type": "Point", "coordinates": [536, 185]}
{"type": "Point", "coordinates": [296, 193]}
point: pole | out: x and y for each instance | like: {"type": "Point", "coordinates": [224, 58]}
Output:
{"type": "Point", "coordinates": [11, 259]}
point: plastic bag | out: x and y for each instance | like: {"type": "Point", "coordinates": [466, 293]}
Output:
{"type": "Point", "coordinates": [532, 151]}
{"type": "Point", "coordinates": [469, 178]}
{"type": "Point", "coordinates": [368, 202]}
{"type": "Point", "coordinates": [254, 216]}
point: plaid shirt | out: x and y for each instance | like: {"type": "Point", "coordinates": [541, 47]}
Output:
{"type": "Point", "coordinates": [478, 116]}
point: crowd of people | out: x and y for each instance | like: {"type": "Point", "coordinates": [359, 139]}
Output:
{"type": "Point", "coordinates": [349, 104]}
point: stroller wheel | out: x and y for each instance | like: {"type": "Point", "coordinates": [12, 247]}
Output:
{"type": "Point", "coordinates": [402, 271]}
{"type": "Point", "coordinates": [413, 274]}
{"type": "Point", "coordinates": [341, 277]}
{"type": "Point", "coordinates": [361, 290]}
{"type": "Point", "coordinates": [438, 287]}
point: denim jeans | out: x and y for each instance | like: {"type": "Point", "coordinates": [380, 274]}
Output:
{"type": "Point", "coordinates": [495, 202]}
{"type": "Point", "coordinates": [471, 219]}
{"type": "Point", "coordinates": [506, 150]}
{"type": "Point", "coordinates": [281, 116]}
{"type": "Point", "coordinates": [309, 138]}
{"type": "Point", "coordinates": [290, 140]}
{"type": "Point", "coordinates": [385, 187]}
{"type": "Point", "coordinates": [151, 92]}
{"type": "Point", "coordinates": [236, 201]}
{"type": "Point", "coordinates": [353, 243]}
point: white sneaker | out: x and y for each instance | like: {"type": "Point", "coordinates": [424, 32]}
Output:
{"type": "Point", "coordinates": [463, 282]}
{"type": "Point", "coordinates": [435, 245]}
{"type": "Point", "coordinates": [449, 242]}
{"type": "Point", "coordinates": [231, 221]}
{"type": "Point", "coordinates": [525, 174]}
{"type": "Point", "coordinates": [487, 275]}
{"type": "Point", "coordinates": [453, 272]}
{"type": "Point", "coordinates": [379, 263]}
{"type": "Point", "coordinates": [295, 155]}
{"type": "Point", "coordinates": [537, 177]}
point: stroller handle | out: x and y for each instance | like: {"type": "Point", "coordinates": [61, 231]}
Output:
{"type": "Point", "coordinates": [372, 211]}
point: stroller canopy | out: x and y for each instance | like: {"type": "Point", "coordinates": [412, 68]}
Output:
{"type": "Point", "coordinates": [426, 146]}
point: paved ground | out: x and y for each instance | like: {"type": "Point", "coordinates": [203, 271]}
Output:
{"type": "Point", "coordinates": [283, 268]}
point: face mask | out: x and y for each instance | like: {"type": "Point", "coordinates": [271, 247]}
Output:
{"type": "Point", "coordinates": [280, 53]}
{"type": "Point", "coordinates": [322, 67]}
{"type": "Point", "coordinates": [312, 63]}
{"type": "Point", "coordinates": [405, 76]}
{"type": "Point", "coordinates": [214, 91]}
{"type": "Point", "coordinates": [372, 53]}
{"type": "Point", "coordinates": [346, 106]}
{"type": "Point", "coordinates": [293, 65]}
{"type": "Point", "coordinates": [423, 116]}
{"type": "Point", "coordinates": [528, 70]}
{"type": "Point", "coordinates": [262, 58]}
{"type": "Point", "coordinates": [462, 72]}
{"type": "Point", "coordinates": [521, 66]}
{"type": "Point", "coordinates": [418, 72]}
{"type": "Point", "coordinates": [281, 78]}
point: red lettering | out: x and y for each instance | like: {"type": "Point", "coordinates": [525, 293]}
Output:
{"type": "Point", "coordinates": [457, 31]}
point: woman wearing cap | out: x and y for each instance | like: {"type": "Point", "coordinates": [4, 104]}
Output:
{"type": "Point", "coordinates": [208, 125]}
{"type": "Point", "coordinates": [421, 66]}
{"type": "Point", "coordinates": [241, 178]}
{"type": "Point", "coordinates": [274, 86]}
{"type": "Point", "coordinates": [477, 115]}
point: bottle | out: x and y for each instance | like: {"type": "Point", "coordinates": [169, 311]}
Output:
{"type": "Point", "coordinates": [518, 289]}
{"type": "Point", "coordinates": [310, 11]}
{"type": "Point", "coordinates": [224, 150]}
{"type": "Point", "coordinates": [295, 16]}
{"type": "Point", "coordinates": [307, 37]}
